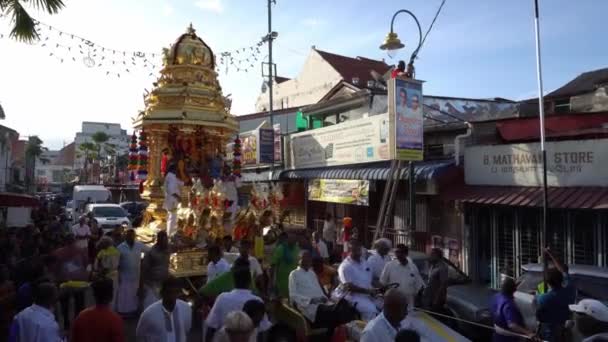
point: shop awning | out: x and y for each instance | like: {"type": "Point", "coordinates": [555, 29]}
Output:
{"type": "Point", "coordinates": [561, 198]}
{"type": "Point", "coordinates": [372, 171]}
{"type": "Point", "coordinates": [9, 199]}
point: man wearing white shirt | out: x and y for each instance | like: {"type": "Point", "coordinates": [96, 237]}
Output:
{"type": "Point", "coordinates": [168, 320]}
{"type": "Point", "coordinates": [379, 258]}
{"type": "Point", "coordinates": [172, 187]}
{"type": "Point", "coordinates": [386, 325]}
{"type": "Point", "coordinates": [356, 274]}
{"type": "Point", "coordinates": [405, 273]}
{"type": "Point", "coordinates": [82, 233]}
{"type": "Point", "coordinates": [306, 294]}
{"type": "Point", "coordinates": [320, 247]}
{"type": "Point", "coordinates": [233, 300]}
{"type": "Point", "coordinates": [37, 323]}
{"type": "Point", "coordinates": [217, 264]}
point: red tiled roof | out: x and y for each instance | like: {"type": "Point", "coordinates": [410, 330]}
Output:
{"type": "Point", "coordinates": [575, 124]}
{"type": "Point", "coordinates": [350, 68]}
{"type": "Point", "coordinates": [66, 155]}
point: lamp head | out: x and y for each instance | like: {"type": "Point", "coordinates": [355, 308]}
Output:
{"type": "Point", "coordinates": [392, 44]}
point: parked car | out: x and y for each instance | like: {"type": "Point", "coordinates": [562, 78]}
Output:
{"type": "Point", "coordinates": [589, 282]}
{"type": "Point", "coordinates": [108, 216]}
{"type": "Point", "coordinates": [136, 210]}
{"type": "Point", "coordinates": [465, 300]}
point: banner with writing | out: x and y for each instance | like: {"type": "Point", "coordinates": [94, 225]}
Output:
{"type": "Point", "coordinates": [345, 191]}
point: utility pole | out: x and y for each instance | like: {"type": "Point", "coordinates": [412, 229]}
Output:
{"type": "Point", "coordinates": [271, 36]}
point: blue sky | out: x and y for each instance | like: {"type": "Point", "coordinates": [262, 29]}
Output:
{"type": "Point", "coordinates": [482, 48]}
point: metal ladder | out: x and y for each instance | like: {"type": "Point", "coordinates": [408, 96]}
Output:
{"type": "Point", "coordinates": [388, 198]}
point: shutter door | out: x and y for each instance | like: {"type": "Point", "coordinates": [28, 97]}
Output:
{"type": "Point", "coordinates": [505, 226]}
{"type": "Point", "coordinates": [557, 234]}
{"type": "Point", "coordinates": [529, 236]}
{"type": "Point", "coordinates": [584, 250]}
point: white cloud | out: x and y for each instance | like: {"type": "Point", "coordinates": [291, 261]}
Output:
{"type": "Point", "coordinates": [167, 10]}
{"type": "Point", "coordinates": [210, 5]}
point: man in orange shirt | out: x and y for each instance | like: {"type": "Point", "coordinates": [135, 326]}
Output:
{"type": "Point", "coordinates": [99, 323]}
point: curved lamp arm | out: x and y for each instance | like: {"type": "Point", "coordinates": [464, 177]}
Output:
{"type": "Point", "coordinates": [415, 53]}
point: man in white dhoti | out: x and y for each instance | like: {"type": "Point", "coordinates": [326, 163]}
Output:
{"type": "Point", "coordinates": [169, 319]}
{"type": "Point", "coordinates": [356, 274]}
{"type": "Point", "coordinates": [172, 198]}
{"type": "Point", "coordinates": [129, 268]}
{"type": "Point", "coordinates": [155, 268]}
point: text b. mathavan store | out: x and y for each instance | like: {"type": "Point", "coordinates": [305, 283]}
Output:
{"type": "Point", "coordinates": [503, 198]}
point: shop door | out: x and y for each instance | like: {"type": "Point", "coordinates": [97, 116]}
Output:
{"type": "Point", "coordinates": [584, 238]}
{"type": "Point", "coordinates": [483, 247]}
{"type": "Point", "coordinates": [529, 237]}
{"type": "Point", "coordinates": [505, 243]}
{"type": "Point", "coordinates": [557, 234]}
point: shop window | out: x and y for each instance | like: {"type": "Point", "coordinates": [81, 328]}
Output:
{"type": "Point", "coordinates": [529, 236]}
{"type": "Point", "coordinates": [505, 224]}
{"type": "Point", "coordinates": [584, 238]}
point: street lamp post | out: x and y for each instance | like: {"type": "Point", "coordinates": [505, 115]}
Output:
{"type": "Point", "coordinates": [391, 45]}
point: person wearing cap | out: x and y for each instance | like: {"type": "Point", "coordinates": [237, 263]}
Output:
{"type": "Point", "coordinates": [591, 317]}
{"type": "Point", "coordinates": [238, 327]}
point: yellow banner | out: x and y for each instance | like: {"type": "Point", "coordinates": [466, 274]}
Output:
{"type": "Point", "coordinates": [345, 191]}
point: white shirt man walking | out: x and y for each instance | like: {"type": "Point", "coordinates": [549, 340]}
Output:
{"type": "Point", "coordinates": [172, 198]}
{"type": "Point", "coordinates": [168, 320]}
{"type": "Point", "coordinates": [403, 272]}
{"type": "Point", "coordinates": [129, 270]}
{"type": "Point", "coordinates": [37, 323]}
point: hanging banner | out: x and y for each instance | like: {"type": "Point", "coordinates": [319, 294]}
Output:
{"type": "Point", "coordinates": [362, 140]}
{"type": "Point", "coordinates": [405, 110]}
{"type": "Point", "coordinates": [249, 147]}
{"type": "Point", "coordinates": [266, 146]}
{"type": "Point", "coordinates": [277, 143]}
{"type": "Point", "coordinates": [345, 191]}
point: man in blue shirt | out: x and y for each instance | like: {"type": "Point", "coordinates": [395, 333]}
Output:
{"type": "Point", "coordinates": [506, 314]}
{"type": "Point", "coordinates": [553, 311]}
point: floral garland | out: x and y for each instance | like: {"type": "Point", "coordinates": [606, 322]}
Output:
{"type": "Point", "coordinates": [236, 162]}
{"type": "Point", "coordinates": [142, 169]}
{"type": "Point", "coordinates": [133, 157]}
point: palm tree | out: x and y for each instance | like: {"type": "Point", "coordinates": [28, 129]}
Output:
{"type": "Point", "coordinates": [88, 150]}
{"type": "Point", "coordinates": [24, 26]}
{"type": "Point", "coordinates": [33, 151]}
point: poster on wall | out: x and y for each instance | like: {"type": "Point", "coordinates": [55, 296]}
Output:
{"type": "Point", "coordinates": [344, 191]}
{"type": "Point", "coordinates": [405, 110]}
{"type": "Point", "coordinates": [266, 146]}
{"type": "Point", "coordinates": [358, 141]}
{"type": "Point", "coordinates": [277, 143]}
{"type": "Point", "coordinates": [249, 148]}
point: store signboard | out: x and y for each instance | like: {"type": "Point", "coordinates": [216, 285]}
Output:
{"type": "Point", "coordinates": [358, 141]}
{"type": "Point", "coordinates": [345, 191]}
{"type": "Point", "coordinates": [569, 163]}
{"type": "Point", "coordinates": [266, 146]}
{"type": "Point", "coordinates": [407, 122]}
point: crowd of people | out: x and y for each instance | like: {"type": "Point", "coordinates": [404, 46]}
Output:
{"type": "Point", "coordinates": [54, 264]}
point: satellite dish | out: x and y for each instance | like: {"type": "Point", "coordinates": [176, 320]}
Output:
{"type": "Point", "coordinates": [379, 78]}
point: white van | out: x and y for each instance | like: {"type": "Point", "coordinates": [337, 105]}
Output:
{"type": "Point", "coordinates": [88, 194]}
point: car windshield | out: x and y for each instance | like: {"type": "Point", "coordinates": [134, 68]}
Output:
{"type": "Point", "coordinates": [528, 282]}
{"type": "Point", "coordinates": [108, 212]}
{"type": "Point", "coordinates": [455, 276]}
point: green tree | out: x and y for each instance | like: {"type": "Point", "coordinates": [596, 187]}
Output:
{"type": "Point", "coordinates": [88, 151]}
{"type": "Point", "coordinates": [23, 25]}
{"type": "Point", "coordinates": [33, 152]}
